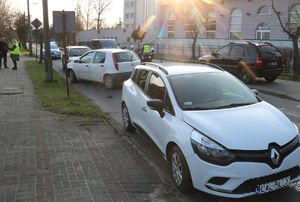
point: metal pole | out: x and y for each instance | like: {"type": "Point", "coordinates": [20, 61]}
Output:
{"type": "Point", "coordinates": [65, 51]}
{"type": "Point", "coordinates": [48, 59]}
{"type": "Point", "coordinates": [29, 29]}
{"type": "Point", "coordinates": [36, 54]}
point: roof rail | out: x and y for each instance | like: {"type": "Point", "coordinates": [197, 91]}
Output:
{"type": "Point", "coordinates": [160, 67]}
{"type": "Point", "coordinates": [212, 65]}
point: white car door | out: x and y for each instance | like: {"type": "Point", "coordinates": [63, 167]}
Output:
{"type": "Point", "coordinates": [82, 67]}
{"type": "Point", "coordinates": [97, 67]}
{"type": "Point", "coordinates": [159, 127]}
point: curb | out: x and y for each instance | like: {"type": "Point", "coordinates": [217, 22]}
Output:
{"type": "Point", "coordinates": [276, 94]}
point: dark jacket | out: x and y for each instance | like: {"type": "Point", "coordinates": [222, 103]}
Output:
{"type": "Point", "coordinates": [3, 47]}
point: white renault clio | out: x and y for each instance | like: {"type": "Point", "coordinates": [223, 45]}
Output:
{"type": "Point", "coordinates": [218, 136]}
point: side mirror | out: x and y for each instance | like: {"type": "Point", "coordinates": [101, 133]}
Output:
{"type": "Point", "coordinates": [255, 91]}
{"type": "Point", "coordinates": [156, 105]}
{"type": "Point", "coordinates": [76, 61]}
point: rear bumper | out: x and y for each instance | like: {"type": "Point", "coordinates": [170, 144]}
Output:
{"type": "Point", "coordinates": [268, 72]}
{"type": "Point", "coordinates": [119, 78]}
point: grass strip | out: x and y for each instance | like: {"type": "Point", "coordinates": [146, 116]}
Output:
{"type": "Point", "coordinates": [53, 95]}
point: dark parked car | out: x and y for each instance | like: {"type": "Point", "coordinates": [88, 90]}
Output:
{"type": "Point", "coordinates": [103, 43]}
{"type": "Point", "coordinates": [248, 60]}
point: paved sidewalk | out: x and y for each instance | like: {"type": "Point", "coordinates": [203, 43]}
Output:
{"type": "Point", "coordinates": [50, 157]}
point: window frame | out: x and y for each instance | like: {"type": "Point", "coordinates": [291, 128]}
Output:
{"type": "Point", "coordinates": [166, 94]}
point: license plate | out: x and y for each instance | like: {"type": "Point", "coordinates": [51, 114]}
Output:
{"type": "Point", "coordinates": [272, 186]}
{"type": "Point", "coordinates": [273, 63]}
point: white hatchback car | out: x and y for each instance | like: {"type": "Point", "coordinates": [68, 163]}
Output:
{"type": "Point", "coordinates": [218, 136]}
{"type": "Point", "coordinates": [73, 53]}
{"type": "Point", "coordinates": [110, 66]}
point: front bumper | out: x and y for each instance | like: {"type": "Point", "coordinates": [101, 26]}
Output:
{"type": "Point", "coordinates": [240, 179]}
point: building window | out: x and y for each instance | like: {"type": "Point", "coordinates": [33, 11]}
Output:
{"type": "Point", "coordinates": [126, 26]}
{"type": "Point", "coordinates": [127, 16]}
{"type": "Point", "coordinates": [263, 32]}
{"type": "Point", "coordinates": [132, 15]}
{"type": "Point", "coordinates": [189, 27]}
{"type": "Point", "coordinates": [235, 24]}
{"type": "Point", "coordinates": [211, 26]}
{"type": "Point", "coordinates": [264, 10]}
{"type": "Point", "coordinates": [171, 26]}
{"type": "Point", "coordinates": [132, 4]}
{"type": "Point", "coordinates": [295, 14]}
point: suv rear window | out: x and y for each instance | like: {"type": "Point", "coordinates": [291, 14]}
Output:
{"type": "Point", "coordinates": [269, 51]}
{"type": "Point", "coordinates": [127, 56]}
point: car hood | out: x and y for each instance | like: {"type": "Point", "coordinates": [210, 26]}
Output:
{"type": "Point", "coordinates": [251, 127]}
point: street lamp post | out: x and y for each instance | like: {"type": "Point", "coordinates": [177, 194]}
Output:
{"type": "Point", "coordinates": [29, 29]}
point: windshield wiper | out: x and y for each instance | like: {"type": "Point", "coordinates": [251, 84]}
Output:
{"type": "Point", "coordinates": [196, 108]}
{"type": "Point", "coordinates": [234, 105]}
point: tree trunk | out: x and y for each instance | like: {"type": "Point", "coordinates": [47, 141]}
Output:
{"type": "Point", "coordinates": [295, 58]}
{"type": "Point", "coordinates": [194, 48]}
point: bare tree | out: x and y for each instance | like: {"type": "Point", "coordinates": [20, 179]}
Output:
{"type": "Point", "coordinates": [100, 6]}
{"type": "Point", "coordinates": [21, 27]}
{"type": "Point", "coordinates": [292, 28]}
{"type": "Point", "coordinates": [6, 18]}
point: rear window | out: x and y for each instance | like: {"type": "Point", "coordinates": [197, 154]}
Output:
{"type": "Point", "coordinates": [126, 56]}
{"type": "Point", "coordinates": [77, 51]}
{"type": "Point", "coordinates": [98, 44]}
{"type": "Point", "coordinates": [269, 51]}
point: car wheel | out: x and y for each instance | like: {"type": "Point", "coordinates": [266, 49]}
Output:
{"type": "Point", "coordinates": [108, 81]}
{"type": "Point", "coordinates": [72, 77]}
{"type": "Point", "coordinates": [126, 119]}
{"type": "Point", "coordinates": [180, 170]}
{"type": "Point", "coordinates": [270, 78]}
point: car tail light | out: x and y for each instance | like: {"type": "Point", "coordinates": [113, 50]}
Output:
{"type": "Point", "coordinates": [258, 62]}
{"type": "Point", "coordinates": [115, 61]}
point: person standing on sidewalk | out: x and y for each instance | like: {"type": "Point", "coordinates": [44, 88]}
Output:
{"type": "Point", "coordinates": [14, 50]}
{"type": "Point", "coordinates": [3, 52]}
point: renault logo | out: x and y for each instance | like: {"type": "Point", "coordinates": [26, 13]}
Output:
{"type": "Point", "coordinates": [275, 156]}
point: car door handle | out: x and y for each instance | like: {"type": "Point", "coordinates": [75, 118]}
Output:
{"type": "Point", "coordinates": [144, 109]}
{"type": "Point", "coordinates": [101, 65]}
{"type": "Point", "coordinates": [87, 65]}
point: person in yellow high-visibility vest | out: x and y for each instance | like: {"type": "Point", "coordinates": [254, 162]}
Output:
{"type": "Point", "coordinates": [14, 51]}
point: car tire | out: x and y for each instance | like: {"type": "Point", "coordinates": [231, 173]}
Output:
{"type": "Point", "coordinates": [126, 119]}
{"type": "Point", "coordinates": [108, 81]}
{"type": "Point", "coordinates": [270, 78]}
{"type": "Point", "coordinates": [180, 170]}
{"type": "Point", "coordinates": [72, 77]}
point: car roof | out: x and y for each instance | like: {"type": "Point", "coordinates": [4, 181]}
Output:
{"type": "Point", "coordinates": [78, 47]}
{"type": "Point", "coordinates": [182, 69]}
{"type": "Point", "coordinates": [113, 50]}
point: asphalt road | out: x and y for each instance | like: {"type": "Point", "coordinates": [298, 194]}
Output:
{"type": "Point", "coordinates": [109, 101]}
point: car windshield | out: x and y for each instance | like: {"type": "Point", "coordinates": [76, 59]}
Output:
{"type": "Point", "coordinates": [53, 46]}
{"type": "Point", "coordinates": [77, 51]}
{"type": "Point", "coordinates": [210, 91]}
{"type": "Point", "coordinates": [108, 44]}
{"type": "Point", "coordinates": [127, 56]}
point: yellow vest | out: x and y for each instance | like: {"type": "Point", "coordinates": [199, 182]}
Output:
{"type": "Point", "coordinates": [146, 48]}
{"type": "Point", "coordinates": [15, 51]}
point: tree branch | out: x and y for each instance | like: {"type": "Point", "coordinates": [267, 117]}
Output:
{"type": "Point", "coordinates": [280, 21]}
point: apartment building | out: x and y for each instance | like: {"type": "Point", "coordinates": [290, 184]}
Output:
{"type": "Point", "coordinates": [215, 19]}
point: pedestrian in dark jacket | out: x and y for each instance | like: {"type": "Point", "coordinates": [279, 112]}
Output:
{"type": "Point", "coordinates": [3, 52]}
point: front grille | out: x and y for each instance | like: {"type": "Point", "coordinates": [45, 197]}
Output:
{"type": "Point", "coordinates": [250, 185]}
{"type": "Point", "coordinates": [263, 156]}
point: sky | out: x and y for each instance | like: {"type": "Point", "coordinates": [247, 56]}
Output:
{"type": "Point", "coordinates": [36, 10]}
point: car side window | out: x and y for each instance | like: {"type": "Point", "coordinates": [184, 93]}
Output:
{"type": "Point", "coordinates": [224, 51]}
{"type": "Point", "coordinates": [87, 58]}
{"type": "Point", "coordinates": [237, 51]}
{"type": "Point", "coordinates": [251, 51]}
{"type": "Point", "coordinates": [157, 90]}
{"type": "Point", "coordinates": [99, 57]}
{"type": "Point", "coordinates": [142, 78]}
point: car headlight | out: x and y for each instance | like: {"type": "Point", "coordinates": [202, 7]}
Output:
{"type": "Point", "coordinates": [210, 151]}
{"type": "Point", "coordinates": [297, 131]}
